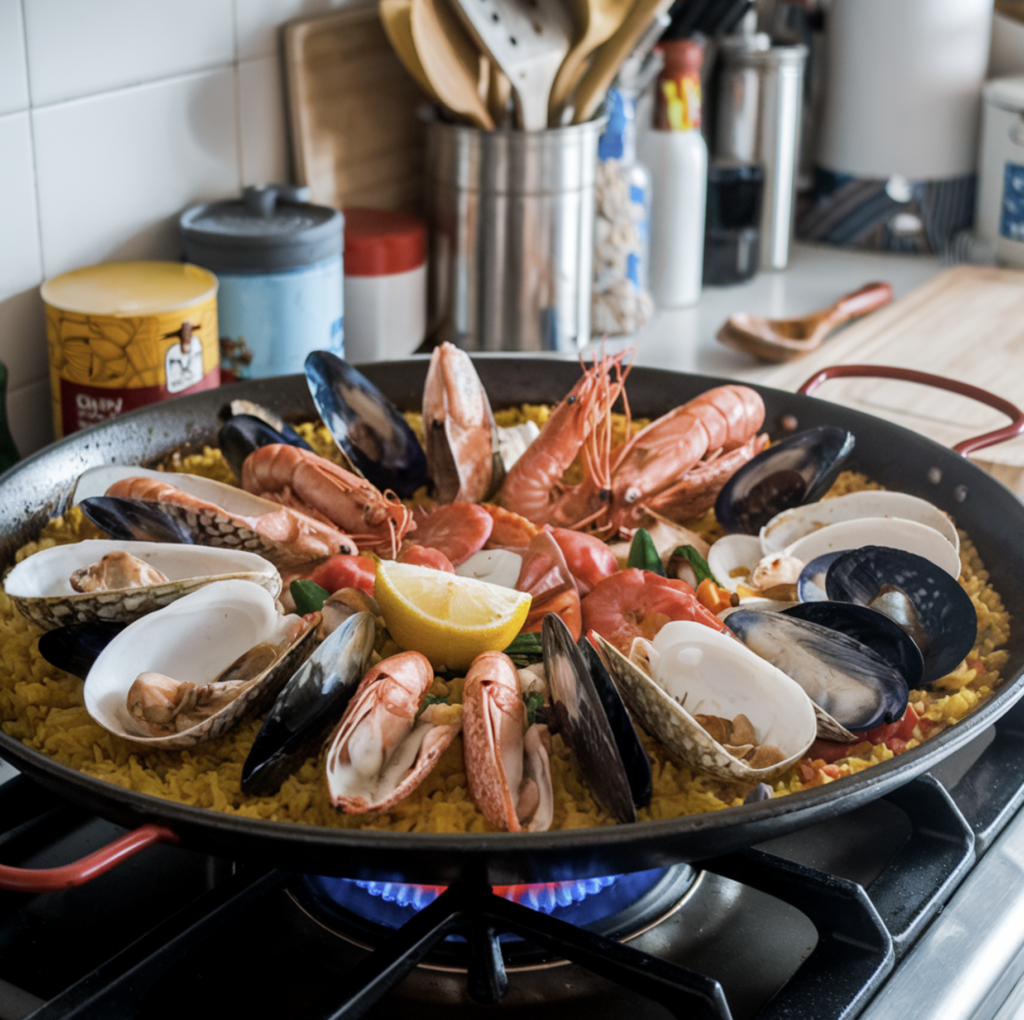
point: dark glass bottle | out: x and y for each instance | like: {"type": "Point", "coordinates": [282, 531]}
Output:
{"type": "Point", "coordinates": [8, 451]}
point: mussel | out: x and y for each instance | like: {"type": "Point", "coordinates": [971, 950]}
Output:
{"type": "Point", "coordinates": [590, 715]}
{"type": "Point", "coordinates": [367, 427]}
{"type": "Point", "coordinates": [921, 597]}
{"type": "Point", "coordinates": [853, 687]}
{"type": "Point", "coordinates": [309, 705]}
{"type": "Point", "coordinates": [77, 646]}
{"type": "Point", "coordinates": [795, 470]}
{"type": "Point", "coordinates": [243, 433]}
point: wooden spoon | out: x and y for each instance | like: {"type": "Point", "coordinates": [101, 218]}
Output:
{"type": "Point", "coordinates": [609, 56]}
{"type": "Point", "coordinates": [596, 21]}
{"type": "Point", "coordinates": [396, 16]}
{"type": "Point", "coordinates": [786, 339]}
{"type": "Point", "coordinates": [450, 60]}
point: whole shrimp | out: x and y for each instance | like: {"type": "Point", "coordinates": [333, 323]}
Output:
{"type": "Point", "coordinates": [305, 481]}
{"type": "Point", "coordinates": [580, 423]}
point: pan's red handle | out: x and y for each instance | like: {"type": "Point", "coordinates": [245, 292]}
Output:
{"type": "Point", "coordinates": [1015, 428]}
{"type": "Point", "coordinates": [44, 880]}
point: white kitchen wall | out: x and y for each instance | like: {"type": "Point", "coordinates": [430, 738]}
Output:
{"type": "Point", "coordinates": [114, 116]}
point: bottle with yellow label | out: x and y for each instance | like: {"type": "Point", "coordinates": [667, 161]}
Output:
{"type": "Point", "coordinates": [125, 334]}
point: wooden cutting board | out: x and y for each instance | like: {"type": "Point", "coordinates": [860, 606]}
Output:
{"type": "Point", "coordinates": [967, 323]}
{"type": "Point", "coordinates": [357, 138]}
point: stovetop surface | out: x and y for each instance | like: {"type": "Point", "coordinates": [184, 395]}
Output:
{"type": "Point", "coordinates": [172, 932]}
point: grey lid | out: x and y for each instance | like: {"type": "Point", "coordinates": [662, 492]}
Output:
{"type": "Point", "coordinates": [267, 228]}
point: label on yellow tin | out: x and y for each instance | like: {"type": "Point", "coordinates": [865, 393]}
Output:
{"type": "Point", "coordinates": [104, 363]}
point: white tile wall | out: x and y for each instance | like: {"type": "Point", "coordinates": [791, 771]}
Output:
{"type": "Point", "coordinates": [114, 116]}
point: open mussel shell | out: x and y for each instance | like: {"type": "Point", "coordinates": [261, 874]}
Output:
{"type": "Point", "coordinates": [40, 585]}
{"type": "Point", "coordinates": [631, 751]}
{"type": "Point", "coordinates": [367, 427]}
{"type": "Point", "coordinates": [77, 646]}
{"type": "Point", "coordinates": [796, 470]}
{"type": "Point", "coordinates": [870, 628]}
{"type": "Point", "coordinates": [694, 670]}
{"type": "Point", "coordinates": [195, 639]}
{"type": "Point", "coordinates": [131, 520]}
{"type": "Point", "coordinates": [237, 408]}
{"type": "Point", "coordinates": [242, 434]}
{"type": "Point", "coordinates": [309, 705]}
{"type": "Point", "coordinates": [921, 597]}
{"type": "Point", "coordinates": [854, 686]}
{"type": "Point", "coordinates": [580, 716]}
{"type": "Point", "coordinates": [791, 525]}
{"type": "Point", "coordinates": [810, 586]}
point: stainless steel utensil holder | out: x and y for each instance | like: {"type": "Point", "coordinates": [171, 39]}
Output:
{"type": "Point", "coordinates": [512, 225]}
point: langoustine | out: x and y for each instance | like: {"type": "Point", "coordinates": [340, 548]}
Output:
{"type": "Point", "coordinates": [381, 750]}
{"type": "Point", "coordinates": [507, 763]}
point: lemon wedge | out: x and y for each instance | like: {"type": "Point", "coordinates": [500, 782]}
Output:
{"type": "Point", "coordinates": [450, 619]}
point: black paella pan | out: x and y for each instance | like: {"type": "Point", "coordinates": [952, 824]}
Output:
{"type": "Point", "coordinates": [32, 492]}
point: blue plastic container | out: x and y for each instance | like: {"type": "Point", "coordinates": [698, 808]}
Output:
{"type": "Point", "coordinates": [279, 261]}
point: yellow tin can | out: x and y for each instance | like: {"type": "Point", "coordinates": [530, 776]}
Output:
{"type": "Point", "coordinates": [125, 334]}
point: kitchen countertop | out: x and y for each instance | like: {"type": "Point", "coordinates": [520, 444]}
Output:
{"type": "Point", "coordinates": [684, 339]}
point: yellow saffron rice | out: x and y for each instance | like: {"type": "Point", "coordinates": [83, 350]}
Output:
{"type": "Point", "coordinates": [42, 706]}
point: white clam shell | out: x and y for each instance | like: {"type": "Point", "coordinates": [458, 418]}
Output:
{"type": "Point", "coordinates": [910, 536]}
{"type": "Point", "coordinates": [496, 566]}
{"type": "Point", "coordinates": [195, 638]}
{"type": "Point", "coordinates": [732, 558]}
{"type": "Point", "coordinates": [715, 675]}
{"type": "Point", "coordinates": [40, 585]}
{"type": "Point", "coordinates": [787, 527]}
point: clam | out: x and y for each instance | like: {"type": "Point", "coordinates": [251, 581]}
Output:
{"type": "Point", "coordinates": [368, 428]}
{"type": "Point", "coordinates": [786, 528]}
{"type": "Point", "coordinates": [192, 643]}
{"type": "Point", "coordinates": [689, 670]}
{"type": "Point", "coordinates": [919, 595]}
{"type": "Point", "coordinates": [168, 507]}
{"type": "Point", "coordinates": [148, 576]}
{"type": "Point", "coordinates": [795, 470]}
{"type": "Point", "coordinates": [852, 686]}
{"type": "Point", "coordinates": [309, 705]}
{"type": "Point", "coordinates": [589, 713]}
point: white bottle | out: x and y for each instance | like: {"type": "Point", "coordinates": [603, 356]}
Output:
{"type": "Point", "coordinates": [677, 157]}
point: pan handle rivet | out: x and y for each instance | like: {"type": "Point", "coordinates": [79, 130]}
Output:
{"type": "Point", "coordinates": [934, 475]}
{"type": "Point", "coordinates": [960, 493]}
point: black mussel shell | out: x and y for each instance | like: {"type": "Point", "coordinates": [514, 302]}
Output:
{"type": "Point", "coordinates": [135, 520]}
{"type": "Point", "coordinates": [760, 793]}
{"type": "Point", "coordinates": [368, 428]}
{"type": "Point", "coordinates": [249, 408]}
{"type": "Point", "coordinates": [810, 585]}
{"type": "Point", "coordinates": [796, 470]}
{"type": "Point", "coordinates": [921, 597]}
{"type": "Point", "coordinates": [76, 647]}
{"type": "Point", "coordinates": [855, 685]}
{"type": "Point", "coordinates": [631, 751]}
{"type": "Point", "coordinates": [244, 433]}
{"type": "Point", "coordinates": [869, 627]}
{"type": "Point", "coordinates": [309, 705]}
{"type": "Point", "coordinates": [579, 715]}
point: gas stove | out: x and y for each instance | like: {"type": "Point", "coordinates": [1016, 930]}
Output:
{"type": "Point", "coordinates": [911, 906]}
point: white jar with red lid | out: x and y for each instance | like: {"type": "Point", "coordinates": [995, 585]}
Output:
{"type": "Point", "coordinates": [385, 284]}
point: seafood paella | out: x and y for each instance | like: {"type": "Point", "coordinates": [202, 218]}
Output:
{"type": "Point", "coordinates": [465, 620]}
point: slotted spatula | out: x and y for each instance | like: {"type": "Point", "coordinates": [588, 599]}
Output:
{"type": "Point", "coordinates": [528, 40]}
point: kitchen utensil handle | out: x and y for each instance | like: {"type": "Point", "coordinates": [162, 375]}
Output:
{"type": "Point", "coordinates": [1015, 428]}
{"type": "Point", "coordinates": [860, 302]}
{"type": "Point", "coordinates": [68, 876]}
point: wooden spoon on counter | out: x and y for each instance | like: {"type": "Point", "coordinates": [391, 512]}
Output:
{"type": "Point", "coordinates": [596, 21]}
{"type": "Point", "coordinates": [786, 339]}
{"type": "Point", "coordinates": [450, 59]}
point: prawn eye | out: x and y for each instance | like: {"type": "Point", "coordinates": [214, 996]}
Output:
{"type": "Point", "coordinates": [604, 495]}
{"type": "Point", "coordinates": [571, 399]}
{"type": "Point", "coordinates": [437, 423]}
